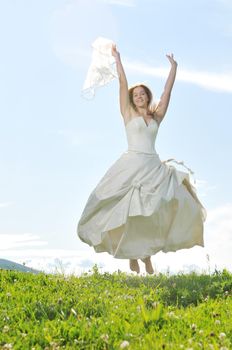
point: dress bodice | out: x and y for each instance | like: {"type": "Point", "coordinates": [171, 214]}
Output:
{"type": "Point", "coordinates": [140, 135]}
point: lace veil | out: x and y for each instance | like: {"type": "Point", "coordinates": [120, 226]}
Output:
{"type": "Point", "coordinates": [102, 68]}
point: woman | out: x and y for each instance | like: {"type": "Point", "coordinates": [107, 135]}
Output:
{"type": "Point", "coordinates": [142, 205]}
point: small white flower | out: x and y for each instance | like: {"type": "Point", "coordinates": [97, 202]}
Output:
{"type": "Point", "coordinates": [217, 322]}
{"type": "Point", "coordinates": [201, 331]}
{"type": "Point", "coordinates": [155, 304]}
{"type": "Point", "coordinates": [129, 334]}
{"type": "Point", "coordinates": [7, 346]}
{"type": "Point", "coordinates": [193, 326]}
{"type": "Point", "coordinates": [6, 329]}
{"type": "Point", "coordinates": [171, 314]}
{"type": "Point", "coordinates": [124, 344]}
{"type": "Point", "coordinates": [224, 348]}
{"type": "Point", "coordinates": [105, 337]}
{"type": "Point", "coordinates": [74, 311]}
{"type": "Point", "coordinates": [8, 295]}
{"type": "Point", "coordinates": [222, 335]}
{"type": "Point", "coordinates": [53, 344]}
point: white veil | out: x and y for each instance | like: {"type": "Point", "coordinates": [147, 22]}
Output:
{"type": "Point", "coordinates": [102, 68]}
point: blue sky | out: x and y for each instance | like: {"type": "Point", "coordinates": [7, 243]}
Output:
{"type": "Point", "coordinates": [55, 145]}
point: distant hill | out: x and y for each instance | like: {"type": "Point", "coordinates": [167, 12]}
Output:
{"type": "Point", "coordinates": [11, 265]}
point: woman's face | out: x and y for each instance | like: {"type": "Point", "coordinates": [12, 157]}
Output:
{"type": "Point", "coordinates": [140, 97]}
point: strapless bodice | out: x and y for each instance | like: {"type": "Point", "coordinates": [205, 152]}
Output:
{"type": "Point", "coordinates": [141, 136]}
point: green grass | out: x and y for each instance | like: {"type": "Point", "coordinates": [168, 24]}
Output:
{"type": "Point", "coordinates": [115, 311]}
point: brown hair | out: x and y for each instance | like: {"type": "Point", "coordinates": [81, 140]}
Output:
{"type": "Point", "coordinates": [151, 105]}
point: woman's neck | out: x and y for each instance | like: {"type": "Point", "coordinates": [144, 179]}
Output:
{"type": "Point", "coordinates": [143, 112]}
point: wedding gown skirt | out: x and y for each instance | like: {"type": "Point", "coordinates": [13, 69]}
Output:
{"type": "Point", "coordinates": [141, 205]}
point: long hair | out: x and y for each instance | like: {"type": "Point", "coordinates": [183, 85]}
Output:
{"type": "Point", "coordinates": [151, 106]}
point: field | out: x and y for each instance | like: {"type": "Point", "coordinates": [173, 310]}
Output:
{"type": "Point", "coordinates": [115, 311]}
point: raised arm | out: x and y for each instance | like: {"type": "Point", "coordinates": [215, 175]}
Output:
{"type": "Point", "coordinates": [123, 85]}
{"type": "Point", "coordinates": [165, 97]}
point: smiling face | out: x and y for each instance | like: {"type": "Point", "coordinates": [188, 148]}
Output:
{"type": "Point", "coordinates": [140, 97]}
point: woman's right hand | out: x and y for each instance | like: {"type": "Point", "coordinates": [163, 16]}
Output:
{"type": "Point", "coordinates": [115, 53]}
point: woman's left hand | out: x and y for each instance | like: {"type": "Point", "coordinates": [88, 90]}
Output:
{"type": "Point", "coordinates": [171, 59]}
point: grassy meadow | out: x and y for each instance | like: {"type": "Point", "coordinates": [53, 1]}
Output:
{"type": "Point", "coordinates": [115, 311]}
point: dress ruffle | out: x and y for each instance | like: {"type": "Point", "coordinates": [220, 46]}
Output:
{"type": "Point", "coordinates": [142, 206]}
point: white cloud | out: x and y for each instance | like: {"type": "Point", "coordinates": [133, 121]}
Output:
{"type": "Point", "coordinates": [79, 261]}
{"type": "Point", "coordinates": [218, 246]}
{"type": "Point", "coordinates": [218, 239]}
{"type": "Point", "coordinates": [208, 80]}
{"type": "Point", "coordinates": [203, 187]}
{"type": "Point", "coordinates": [11, 241]}
{"type": "Point", "coordinates": [219, 213]}
{"type": "Point", "coordinates": [44, 253]}
{"type": "Point", "coordinates": [67, 261]}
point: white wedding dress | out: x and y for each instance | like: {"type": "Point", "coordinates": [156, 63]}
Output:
{"type": "Point", "coordinates": [142, 205]}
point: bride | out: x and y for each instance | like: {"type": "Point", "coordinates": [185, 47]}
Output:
{"type": "Point", "coordinates": [142, 205]}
